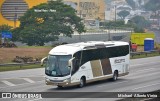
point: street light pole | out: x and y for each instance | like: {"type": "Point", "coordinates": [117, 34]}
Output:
{"type": "Point", "coordinates": [115, 16]}
{"type": "Point", "coordinates": [115, 13]}
{"type": "Point", "coordinates": [81, 18]}
{"type": "Point", "coordinates": [15, 17]}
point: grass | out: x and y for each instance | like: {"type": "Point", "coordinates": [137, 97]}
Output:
{"type": "Point", "coordinates": [9, 68]}
{"type": "Point", "coordinates": [8, 54]}
{"type": "Point", "coordinates": [35, 47]}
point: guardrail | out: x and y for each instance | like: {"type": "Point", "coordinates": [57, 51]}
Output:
{"type": "Point", "coordinates": [132, 54]}
{"type": "Point", "coordinates": [19, 64]}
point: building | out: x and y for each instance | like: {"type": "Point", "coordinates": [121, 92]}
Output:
{"type": "Point", "coordinates": [112, 9]}
{"type": "Point", "coordinates": [11, 10]}
{"type": "Point", "coordinates": [90, 9]}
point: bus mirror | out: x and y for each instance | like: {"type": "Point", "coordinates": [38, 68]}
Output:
{"type": "Point", "coordinates": [43, 61]}
{"type": "Point", "coordinates": [70, 62]}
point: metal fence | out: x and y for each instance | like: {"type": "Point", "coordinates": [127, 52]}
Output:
{"type": "Point", "coordinates": [132, 54]}
{"type": "Point", "coordinates": [102, 35]}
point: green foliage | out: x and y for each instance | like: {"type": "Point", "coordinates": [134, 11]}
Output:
{"type": "Point", "coordinates": [55, 18]}
{"type": "Point", "coordinates": [137, 22]}
{"type": "Point", "coordinates": [113, 24]}
{"type": "Point", "coordinates": [140, 22]}
{"type": "Point", "coordinates": [5, 27]}
{"type": "Point", "coordinates": [117, 24]}
{"type": "Point", "coordinates": [154, 6]}
{"type": "Point", "coordinates": [138, 29]}
{"type": "Point", "coordinates": [131, 3]}
{"type": "Point", "coordinates": [123, 14]}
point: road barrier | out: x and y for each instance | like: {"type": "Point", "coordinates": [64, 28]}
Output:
{"type": "Point", "coordinates": [132, 54]}
{"type": "Point", "coordinates": [18, 64]}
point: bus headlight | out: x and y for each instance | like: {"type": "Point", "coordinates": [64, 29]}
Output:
{"type": "Point", "coordinates": [67, 80]}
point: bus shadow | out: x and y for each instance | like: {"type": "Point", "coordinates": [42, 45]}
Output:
{"type": "Point", "coordinates": [89, 85]}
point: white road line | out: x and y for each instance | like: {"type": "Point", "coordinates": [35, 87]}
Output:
{"type": "Point", "coordinates": [144, 64]}
{"type": "Point", "coordinates": [113, 83]}
{"type": "Point", "coordinates": [35, 99]}
{"type": "Point", "coordinates": [146, 86]}
{"type": "Point", "coordinates": [25, 84]}
{"type": "Point", "coordinates": [145, 75]}
{"type": "Point", "coordinates": [29, 80]}
{"type": "Point", "coordinates": [140, 71]}
{"type": "Point", "coordinates": [24, 77]}
{"type": "Point", "coordinates": [8, 83]}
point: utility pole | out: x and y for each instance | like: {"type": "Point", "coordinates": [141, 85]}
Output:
{"type": "Point", "coordinates": [115, 13]}
{"type": "Point", "coordinates": [109, 36]}
{"type": "Point", "coordinates": [80, 12]}
{"type": "Point", "coordinates": [115, 16]}
{"type": "Point", "coordinates": [15, 17]}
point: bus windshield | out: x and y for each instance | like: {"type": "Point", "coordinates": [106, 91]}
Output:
{"type": "Point", "coordinates": [57, 65]}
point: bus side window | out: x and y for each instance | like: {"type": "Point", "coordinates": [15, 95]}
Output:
{"type": "Point", "coordinates": [76, 62]}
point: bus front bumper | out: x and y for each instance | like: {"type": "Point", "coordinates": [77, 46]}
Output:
{"type": "Point", "coordinates": [65, 82]}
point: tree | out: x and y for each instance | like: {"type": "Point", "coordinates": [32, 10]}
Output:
{"type": "Point", "coordinates": [45, 22]}
{"type": "Point", "coordinates": [154, 6]}
{"type": "Point", "coordinates": [140, 22]}
{"type": "Point", "coordinates": [131, 3]}
{"type": "Point", "coordinates": [5, 27]}
{"type": "Point", "coordinates": [123, 14]}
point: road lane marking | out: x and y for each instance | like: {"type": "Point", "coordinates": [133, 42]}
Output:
{"type": "Point", "coordinates": [113, 83]}
{"type": "Point", "coordinates": [24, 77]}
{"type": "Point", "coordinates": [26, 83]}
{"type": "Point", "coordinates": [143, 64]}
{"type": "Point", "coordinates": [145, 70]}
{"type": "Point", "coordinates": [8, 83]}
{"type": "Point", "coordinates": [29, 80]}
{"type": "Point", "coordinates": [145, 75]}
{"type": "Point", "coordinates": [140, 71]}
{"type": "Point", "coordinates": [35, 99]}
{"type": "Point", "coordinates": [146, 86]}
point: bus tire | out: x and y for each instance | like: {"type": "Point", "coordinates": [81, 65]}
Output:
{"type": "Point", "coordinates": [82, 82]}
{"type": "Point", "coordinates": [115, 76]}
{"type": "Point", "coordinates": [59, 86]}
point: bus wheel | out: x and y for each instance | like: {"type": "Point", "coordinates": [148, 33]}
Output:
{"type": "Point", "coordinates": [115, 76]}
{"type": "Point", "coordinates": [82, 82]}
{"type": "Point", "coordinates": [59, 86]}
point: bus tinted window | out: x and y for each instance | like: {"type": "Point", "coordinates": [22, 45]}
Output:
{"type": "Point", "coordinates": [102, 53]}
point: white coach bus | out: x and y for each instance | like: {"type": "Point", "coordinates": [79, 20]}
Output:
{"type": "Point", "coordinates": [81, 63]}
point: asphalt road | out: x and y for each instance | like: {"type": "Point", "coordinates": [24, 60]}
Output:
{"type": "Point", "coordinates": [144, 77]}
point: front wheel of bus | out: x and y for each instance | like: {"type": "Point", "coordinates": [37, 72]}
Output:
{"type": "Point", "coordinates": [59, 86]}
{"type": "Point", "coordinates": [115, 76]}
{"type": "Point", "coordinates": [82, 82]}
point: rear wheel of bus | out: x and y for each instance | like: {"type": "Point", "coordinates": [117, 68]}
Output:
{"type": "Point", "coordinates": [115, 76]}
{"type": "Point", "coordinates": [82, 82]}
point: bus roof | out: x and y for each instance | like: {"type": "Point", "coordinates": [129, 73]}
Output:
{"type": "Point", "coordinates": [69, 49]}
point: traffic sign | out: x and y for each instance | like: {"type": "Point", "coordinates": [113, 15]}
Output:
{"type": "Point", "coordinates": [6, 34]}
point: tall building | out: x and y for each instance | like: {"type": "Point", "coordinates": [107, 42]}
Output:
{"type": "Point", "coordinates": [11, 10]}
